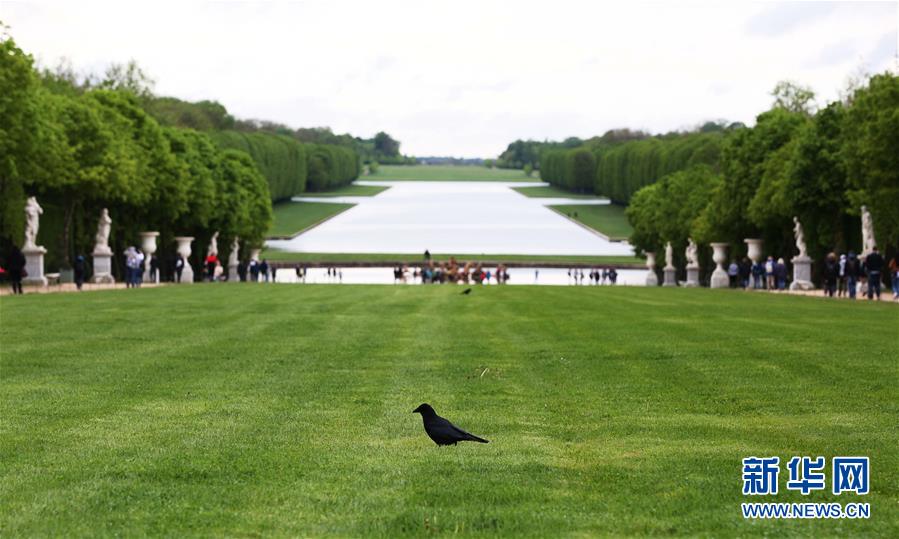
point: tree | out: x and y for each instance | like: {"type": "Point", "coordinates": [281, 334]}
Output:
{"type": "Point", "coordinates": [794, 98]}
{"type": "Point", "coordinates": [869, 148]}
{"type": "Point", "coordinates": [386, 146]}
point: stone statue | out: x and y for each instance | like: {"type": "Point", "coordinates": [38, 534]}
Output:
{"type": "Point", "coordinates": [33, 212]}
{"type": "Point", "coordinates": [692, 255]}
{"type": "Point", "coordinates": [102, 237]}
{"type": "Point", "coordinates": [800, 238]}
{"type": "Point", "coordinates": [669, 255]}
{"type": "Point", "coordinates": [233, 257]}
{"type": "Point", "coordinates": [213, 245]}
{"type": "Point", "coordinates": [868, 242]}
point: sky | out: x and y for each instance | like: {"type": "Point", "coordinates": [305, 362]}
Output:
{"type": "Point", "coordinates": [465, 78]}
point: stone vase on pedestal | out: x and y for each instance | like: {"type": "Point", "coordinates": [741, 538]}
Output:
{"type": "Point", "coordinates": [34, 265]}
{"type": "Point", "coordinates": [187, 274]}
{"type": "Point", "coordinates": [802, 273]}
{"type": "Point", "coordinates": [148, 246]}
{"type": "Point", "coordinates": [719, 276]}
{"type": "Point", "coordinates": [692, 276]}
{"type": "Point", "coordinates": [651, 278]}
{"type": "Point", "coordinates": [102, 265]}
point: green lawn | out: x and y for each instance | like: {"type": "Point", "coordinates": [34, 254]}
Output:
{"type": "Point", "coordinates": [608, 219]}
{"type": "Point", "coordinates": [350, 190]}
{"type": "Point", "coordinates": [397, 258]}
{"type": "Point", "coordinates": [550, 191]}
{"type": "Point", "coordinates": [448, 173]}
{"type": "Point", "coordinates": [291, 218]}
{"type": "Point", "coordinates": [285, 410]}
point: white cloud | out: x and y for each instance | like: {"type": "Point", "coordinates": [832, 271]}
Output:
{"type": "Point", "coordinates": [467, 77]}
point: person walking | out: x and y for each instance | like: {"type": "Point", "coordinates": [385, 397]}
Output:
{"type": "Point", "coordinates": [894, 275]}
{"type": "Point", "coordinates": [78, 270]}
{"type": "Point", "coordinates": [15, 268]}
{"type": "Point", "coordinates": [254, 271]}
{"type": "Point", "coordinates": [831, 273]}
{"type": "Point", "coordinates": [758, 275]}
{"type": "Point", "coordinates": [874, 267]}
{"type": "Point", "coordinates": [211, 262]}
{"type": "Point", "coordinates": [852, 272]}
{"type": "Point", "coordinates": [179, 267]}
{"type": "Point", "coordinates": [263, 269]}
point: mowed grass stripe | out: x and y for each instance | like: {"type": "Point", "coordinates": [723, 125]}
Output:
{"type": "Point", "coordinates": [286, 410]}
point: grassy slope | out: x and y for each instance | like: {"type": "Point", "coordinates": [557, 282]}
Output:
{"type": "Point", "coordinates": [350, 190]}
{"type": "Point", "coordinates": [608, 219]}
{"type": "Point", "coordinates": [293, 217]}
{"type": "Point", "coordinates": [447, 173]}
{"type": "Point", "coordinates": [396, 258]}
{"type": "Point", "coordinates": [550, 191]}
{"type": "Point", "coordinates": [285, 410]}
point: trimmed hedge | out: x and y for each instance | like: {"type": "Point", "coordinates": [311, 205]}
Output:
{"type": "Point", "coordinates": [281, 159]}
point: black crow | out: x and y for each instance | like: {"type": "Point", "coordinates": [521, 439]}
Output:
{"type": "Point", "coordinates": [467, 291]}
{"type": "Point", "coordinates": [442, 431]}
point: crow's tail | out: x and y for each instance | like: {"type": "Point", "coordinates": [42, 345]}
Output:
{"type": "Point", "coordinates": [474, 438]}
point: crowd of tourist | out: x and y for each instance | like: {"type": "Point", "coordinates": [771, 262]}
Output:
{"type": "Point", "coordinates": [597, 276]}
{"type": "Point", "coordinates": [842, 275]}
{"type": "Point", "coordinates": [451, 272]}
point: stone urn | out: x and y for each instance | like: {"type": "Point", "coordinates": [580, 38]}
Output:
{"type": "Point", "coordinates": [719, 276]}
{"type": "Point", "coordinates": [651, 278]}
{"type": "Point", "coordinates": [187, 274]}
{"type": "Point", "coordinates": [148, 246]}
{"type": "Point", "coordinates": [754, 249]}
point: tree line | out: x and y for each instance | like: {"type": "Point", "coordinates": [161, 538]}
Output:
{"type": "Point", "coordinates": [81, 145]}
{"type": "Point", "coordinates": [818, 165]}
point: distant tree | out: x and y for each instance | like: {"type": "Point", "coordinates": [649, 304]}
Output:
{"type": "Point", "coordinates": [794, 98]}
{"type": "Point", "coordinates": [127, 77]}
{"type": "Point", "coordinates": [528, 170]}
{"type": "Point", "coordinates": [386, 146]}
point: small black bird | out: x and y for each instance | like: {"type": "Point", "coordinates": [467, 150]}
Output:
{"type": "Point", "coordinates": [467, 291]}
{"type": "Point", "coordinates": [442, 431]}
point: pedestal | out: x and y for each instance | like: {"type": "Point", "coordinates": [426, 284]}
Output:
{"type": "Point", "coordinates": [102, 267]}
{"type": "Point", "coordinates": [148, 244]}
{"type": "Point", "coordinates": [692, 276]}
{"type": "Point", "coordinates": [670, 276]}
{"type": "Point", "coordinates": [233, 277]}
{"type": "Point", "coordinates": [802, 273]}
{"type": "Point", "coordinates": [719, 276]}
{"type": "Point", "coordinates": [187, 274]}
{"type": "Point", "coordinates": [34, 265]}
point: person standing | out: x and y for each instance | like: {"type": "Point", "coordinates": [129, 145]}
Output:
{"type": "Point", "coordinates": [874, 267]}
{"type": "Point", "coordinates": [78, 268]}
{"type": "Point", "coordinates": [254, 270]}
{"type": "Point", "coordinates": [745, 271]}
{"type": "Point", "coordinates": [780, 274]}
{"type": "Point", "coordinates": [852, 273]}
{"type": "Point", "coordinates": [831, 273]}
{"type": "Point", "coordinates": [733, 271]}
{"type": "Point", "coordinates": [894, 275]}
{"type": "Point", "coordinates": [841, 276]}
{"type": "Point", "coordinates": [263, 269]}
{"type": "Point", "coordinates": [15, 267]}
{"type": "Point", "coordinates": [211, 262]}
{"type": "Point", "coordinates": [179, 267]}
{"type": "Point", "coordinates": [758, 275]}
{"type": "Point", "coordinates": [769, 272]}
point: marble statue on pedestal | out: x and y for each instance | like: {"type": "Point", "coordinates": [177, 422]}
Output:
{"type": "Point", "coordinates": [668, 272]}
{"type": "Point", "coordinates": [101, 240]}
{"type": "Point", "coordinates": [802, 264]}
{"type": "Point", "coordinates": [34, 253]}
{"type": "Point", "coordinates": [692, 263]}
{"type": "Point", "coordinates": [234, 260]}
{"type": "Point", "coordinates": [800, 238]}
